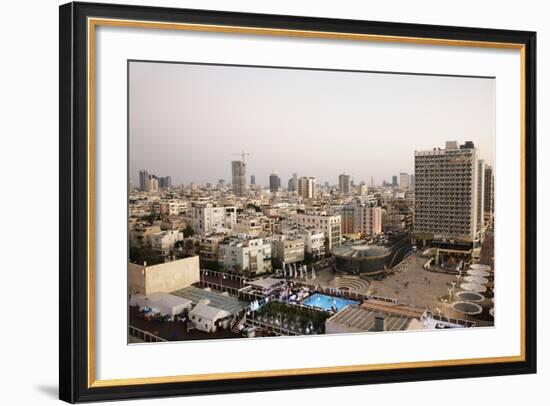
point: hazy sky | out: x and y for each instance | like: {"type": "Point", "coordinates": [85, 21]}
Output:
{"type": "Point", "coordinates": [187, 120]}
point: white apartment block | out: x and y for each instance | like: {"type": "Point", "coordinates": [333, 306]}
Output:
{"type": "Point", "coordinates": [172, 207]}
{"type": "Point", "coordinates": [314, 241]}
{"type": "Point", "coordinates": [287, 249]}
{"type": "Point", "coordinates": [248, 256]}
{"type": "Point", "coordinates": [207, 217]}
{"type": "Point", "coordinates": [163, 242]}
{"type": "Point", "coordinates": [330, 225]}
{"type": "Point", "coordinates": [446, 192]}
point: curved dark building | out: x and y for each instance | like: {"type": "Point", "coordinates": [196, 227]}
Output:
{"type": "Point", "coordinates": [363, 258]}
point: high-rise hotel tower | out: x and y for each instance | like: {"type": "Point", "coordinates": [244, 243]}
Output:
{"type": "Point", "coordinates": [446, 193]}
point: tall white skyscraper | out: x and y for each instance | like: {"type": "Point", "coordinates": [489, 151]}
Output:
{"type": "Point", "coordinates": [306, 187]}
{"type": "Point", "coordinates": [404, 180]}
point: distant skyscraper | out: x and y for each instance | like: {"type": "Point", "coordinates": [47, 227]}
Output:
{"type": "Point", "coordinates": [306, 187]}
{"type": "Point", "coordinates": [404, 180]}
{"type": "Point", "coordinates": [344, 183]}
{"type": "Point", "coordinates": [165, 182]}
{"type": "Point", "coordinates": [446, 194]}
{"type": "Point", "coordinates": [413, 180]}
{"type": "Point", "coordinates": [252, 180]}
{"type": "Point", "coordinates": [144, 180]}
{"type": "Point", "coordinates": [293, 183]}
{"type": "Point", "coordinates": [238, 177]}
{"type": "Point", "coordinates": [372, 181]}
{"type": "Point", "coordinates": [274, 182]}
{"type": "Point", "coordinates": [363, 189]}
{"type": "Point", "coordinates": [394, 180]}
{"type": "Point", "coordinates": [221, 183]}
{"type": "Point", "coordinates": [153, 184]}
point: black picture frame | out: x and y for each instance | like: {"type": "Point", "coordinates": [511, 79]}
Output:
{"type": "Point", "coordinates": [74, 200]}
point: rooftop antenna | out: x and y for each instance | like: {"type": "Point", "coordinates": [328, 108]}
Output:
{"type": "Point", "coordinates": [242, 154]}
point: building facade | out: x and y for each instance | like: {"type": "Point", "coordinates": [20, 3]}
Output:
{"type": "Point", "coordinates": [207, 217]}
{"type": "Point", "coordinates": [287, 250]}
{"type": "Point", "coordinates": [306, 187]}
{"type": "Point", "coordinates": [274, 182]}
{"type": "Point", "coordinates": [445, 205]}
{"type": "Point", "coordinates": [238, 177]}
{"type": "Point", "coordinates": [249, 256]}
{"type": "Point", "coordinates": [330, 225]}
{"type": "Point", "coordinates": [344, 183]}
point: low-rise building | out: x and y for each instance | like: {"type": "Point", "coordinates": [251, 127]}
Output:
{"type": "Point", "coordinates": [166, 277]}
{"type": "Point", "coordinates": [250, 256]}
{"type": "Point", "coordinates": [143, 232]}
{"type": "Point", "coordinates": [207, 217]}
{"type": "Point", "coordinates": [163, 242]}
{"type": "Point", "coordinates": [209, 247]}
{"type": "Point", "coordinates": [330, 225]}
{"type": "Point", "coordinates": [287, 250]}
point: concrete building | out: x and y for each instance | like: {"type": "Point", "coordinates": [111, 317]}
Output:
{"type": "Point", "coordinates": [287, 249]}
{"type": "Point", "coordinates": [207, 217]}
{"type": "Point", "coordinates": [209, 247]}
{"type": "Point", "coordinates": [362, 216]}
{"type": "Point", "coordinates": [274, 182]}
{"type": "Point", "coordinates": [404, 180]}
{"type": "Point", "coordinates": [314, 241]}
{"type": "Point", "coordinates": [355, 319]}
{"type": "Point", "coordinates": [330, 225]}
{"type": "Point", "coordinates": [238, 177]}
{"type": "Point", "coordinates": [344, 183]}
{"type": "Point", "coordinates": [172, 207]}
{"type": "Point", "coordinates": [249, 224]}
{"type": "Point", "coordinates": [143, 232]}
{"type": "Point", "coordinates": [480, 194]}
{"type": "Point", "coordinates": [166, 277]}
{"type": "Point", "coordinates": [165, 182]}
{"type": "Point", "coordinates": [488, 204]}
{"type": "Point", "coordinates": [144, 180]}
{"type": "Point", "coordinates": [293, 183]}
{"type": "Point", "coordinates": [252, 180]}
{"type": "Point", "coordinates": [306, 187]}
{"type": "Point", "coordinates": [163, 243]}
{"type": "Point", "coordinates": [446, 193]}
{"type": "Point", "coordinates": [249, 256]}
{"type": "Point", "coordinates": [394, 181]}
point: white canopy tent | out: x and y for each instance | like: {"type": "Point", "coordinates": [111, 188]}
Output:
{"type": "Point", "coordinates": [163, 303]}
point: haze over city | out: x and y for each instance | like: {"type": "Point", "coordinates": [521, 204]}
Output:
{"type": "Point", "coordinates": [187, 121]}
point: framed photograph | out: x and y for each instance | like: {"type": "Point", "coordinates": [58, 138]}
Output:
{"type": "Point", "coordinates": [257, 202]}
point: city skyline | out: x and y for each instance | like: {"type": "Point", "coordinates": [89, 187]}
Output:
{"type": "Point", "coordinates": [292, 128]}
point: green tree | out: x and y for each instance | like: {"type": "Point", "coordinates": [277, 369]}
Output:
{"type": "Point", "coordinates": [188, 231]}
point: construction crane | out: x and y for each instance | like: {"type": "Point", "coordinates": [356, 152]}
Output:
{"type": "Point", "coordinates": [242, 154]}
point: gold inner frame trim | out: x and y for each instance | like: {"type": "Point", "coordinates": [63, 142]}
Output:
{"type": "Point", "coordinates": [94, 22]}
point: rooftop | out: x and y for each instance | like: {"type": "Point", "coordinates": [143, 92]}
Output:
{"type": "Point", "coordinates": [363, 319]}
{"type": "Point", "coordinates": [218, 300]}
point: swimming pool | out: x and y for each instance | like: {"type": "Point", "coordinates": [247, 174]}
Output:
{"type": "Point", "coordinates": [326, 302]}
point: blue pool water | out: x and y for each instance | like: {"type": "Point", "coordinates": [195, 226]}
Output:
{"type": "Point", "coordinates": [326, 302]}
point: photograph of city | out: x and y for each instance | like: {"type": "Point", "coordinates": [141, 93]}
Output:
{"type": "Point", "coordinates": [269, 202]}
